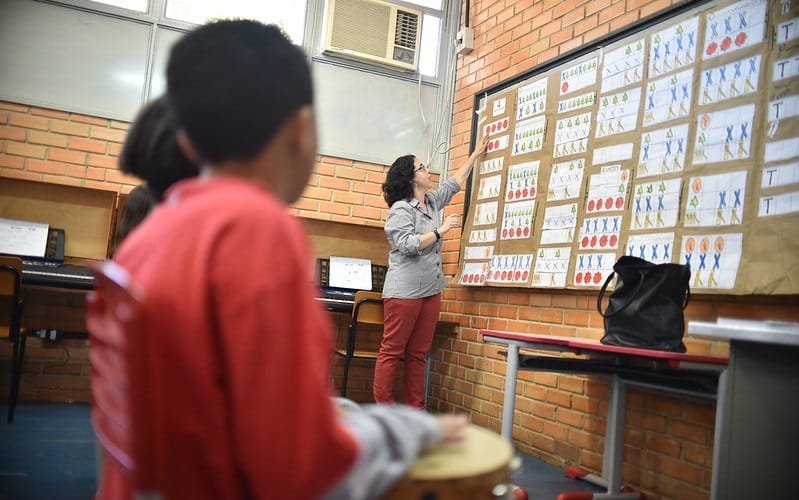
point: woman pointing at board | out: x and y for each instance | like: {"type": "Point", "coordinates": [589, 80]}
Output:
{"type": "Point", "coordinates": [415, 279]}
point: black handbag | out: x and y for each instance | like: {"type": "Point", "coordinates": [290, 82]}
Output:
{"type": "Point", "coordinates": [645, 309]}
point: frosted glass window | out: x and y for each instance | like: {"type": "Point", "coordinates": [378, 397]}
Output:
{"type": "Point", "coordinates": [164, 40]}
{"type": "Point", "coordinates": [288, 14]}
{"type": "Point", "coordinates": [137, 5]}
{"type": "Point", "coordinates": [428, 46]}
{"type": "Point", "coordinates": [433, 4]}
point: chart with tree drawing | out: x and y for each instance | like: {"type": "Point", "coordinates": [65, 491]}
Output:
{"type": "Point", "coordinates": [676, 140]}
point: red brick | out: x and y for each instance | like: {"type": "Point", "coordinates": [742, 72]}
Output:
{"type": "Point", "coordinates": [89, 145]}
{"type": "Point", "coordinates": [25, 149]}
{"type": "Point", "coordinates": [28, 121]}
{"type": "Point", "coordinates": [15, 162]}
{"type": "Point", "coordinates": [67, 156]}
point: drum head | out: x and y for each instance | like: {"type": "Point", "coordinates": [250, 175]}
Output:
{"type": "Point", "coordinates": [480, 452]}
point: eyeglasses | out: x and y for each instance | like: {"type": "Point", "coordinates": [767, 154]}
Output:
{"type": "Point", "coordinates": [422, 166]}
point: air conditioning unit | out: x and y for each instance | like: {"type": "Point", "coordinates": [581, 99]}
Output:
{"type": "Point", "coordinates": [374, 31]}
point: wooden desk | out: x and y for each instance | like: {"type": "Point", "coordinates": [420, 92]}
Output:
{"type": "Point", "coordinates": [678, 373]}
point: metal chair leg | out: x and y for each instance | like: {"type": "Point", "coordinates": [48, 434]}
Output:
{"type": "Point", "coordinates": [17, 363]}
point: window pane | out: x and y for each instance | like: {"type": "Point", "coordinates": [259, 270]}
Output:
{"type": "Point", "coordinates": [433, 4]}
{"type": "Point", "coordinates": [137, 5]}
{"type": "Point", "coordinates": [431, 39]}
{"type": "Point", "coordinates": [288, 14]}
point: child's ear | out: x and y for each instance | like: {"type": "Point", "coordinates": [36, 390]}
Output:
{"type": "Point", "coordinates": [304, 136]}
{"type": "Point", "coordinates": [185, 145]}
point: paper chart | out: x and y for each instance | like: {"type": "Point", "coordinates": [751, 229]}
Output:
{"type": "Point", "coordinates": [592, 269]}
{"type": "Point", "coordinates": [496, 127]}
{"type": "Point", "coordinates": [785, 68]}
{"type": "Point", "coordinates": [497, 144]}
{"type": "Point", "coordinates": [736, 27]}
{"type": "Point", "coordinates": [780, 175]}
{"type": "Point", "coordinates": [713, 258]}
{"type": "Point", "coordinates": [623, 66]}
{"type": "Point", "coordinates": [668, 98]}
{"type": "Point", "coordinates": [656, 204]}
{"type": "Point", "coordinates": [491, 166]}
{"type": "Point", "coordinates": [618, 113]}
{"type": "Point", "coordinates": [559, 224]}
{"type": "Point", "coordinates": [517, 220]}
{"type": "Point", "coordinates": [571, 135]}
{"type": "Point", "coordinates": [716, 200]}
{"type": "Point", "coordinates": [579, 76]}
{"type": "Point", "coordinates": [529, 136]}
{"type": "Point", "coordinates": [483, 235]}
{"type": "Point", "coordinates": [509, 268]}
{"type": "Point", "coordinates": [531, 99]}
{"type": "Point", "coordinates": [616, 152]}
{"type": "Point", "coordinates": [600, 233]}
{"type": "Point", "coordinates": [474, 273]}
{"type": "Point", "coordinates": [663, 151]}
{"type": "Point", "coordinates": [551, 266]}
{"type": "Point", "coordinates": [724, 135]}
{"type": "Point", "coordinates": [783, 108]}
{"type": "Point", "coordinates": [566, 180]}
{"type": "Point", "coordinates": [576, 102]}
{"type": "Point", "coordinates": [522, 181]}
{"type": "Point", "coordinates": [654, 247]}
{"type": "Point", "coordinates": [499, 107]}
{"type": "Point", "coordinates": [673, 47]}
{"type": "Point", "coordinates": [781, 150]}
{"type": "Point", "coordinates": [607, 190]}
{"type": "Point", "coordinates": [779, 204]}
{"type": "Point", "coordinates": [489, 187]}
{"type": "Point", "coordinates": [731, 80]}
{"type": "Point", "coordinates": [478, 252]}
{"type": "Point", "coordinates": [787, 31]}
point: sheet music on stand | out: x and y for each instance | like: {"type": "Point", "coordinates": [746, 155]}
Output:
{"type": "Point", "coordinates": [350, 272]}
{"type": "Point", "coordinates": [23, 238]}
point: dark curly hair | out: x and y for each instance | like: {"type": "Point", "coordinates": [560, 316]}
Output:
{"type": "Point", "coordinates": [399, 179]}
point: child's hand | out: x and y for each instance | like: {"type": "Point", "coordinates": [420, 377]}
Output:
{"type": "Point", "coordinates": [453, 427]}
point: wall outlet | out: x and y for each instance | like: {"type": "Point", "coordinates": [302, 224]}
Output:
{"type": "Point", "coordinates": [464, 41]}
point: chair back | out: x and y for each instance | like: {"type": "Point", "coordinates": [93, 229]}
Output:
{"type": "Point", "coordinates": [10, 296]}
{"type": "Point", "coordinates": [119, 356]}
{"type": "Point", "coordinates": [368, 308]}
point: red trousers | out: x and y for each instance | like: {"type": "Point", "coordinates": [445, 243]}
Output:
{"type": "Point", "coordinates": [408, 328]}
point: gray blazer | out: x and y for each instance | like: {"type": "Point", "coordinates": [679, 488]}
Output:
{"type": "Point", "coordinates": [414, 273]}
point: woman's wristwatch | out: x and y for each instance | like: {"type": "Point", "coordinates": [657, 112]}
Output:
{"type": "Point", "coordinates": [438, 235]}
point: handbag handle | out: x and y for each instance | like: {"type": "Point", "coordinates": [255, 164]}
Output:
{"type": "Point", "coordinates": [635, 294]}
{"type": "Point", "coordinates": [602, 294]}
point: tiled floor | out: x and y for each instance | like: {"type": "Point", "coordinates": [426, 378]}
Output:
{"type": "Point", "coordinates": [48, 453]}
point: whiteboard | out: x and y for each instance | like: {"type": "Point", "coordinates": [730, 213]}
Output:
{"type": "Point", "coordinates": [371, 117]}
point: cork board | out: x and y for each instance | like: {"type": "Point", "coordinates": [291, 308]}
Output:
{"type": "Point", "coordinates": [675, 141]}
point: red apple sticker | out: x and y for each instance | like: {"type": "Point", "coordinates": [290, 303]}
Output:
{"type": "Point", "coordinates": [711, 49]}
{"type": "Point", "coordinates": [518, 275]}
{"type": "Point", "coordinates": [518, 232]}
{"type": "Point", "coordinates": [585, 241]}
{"type": "Point", "coordinates": [590, 205]}
{"type": "Point", "coordinates": [619, 203]}
{"type": "Point", "coordinates": [518, 193]}
{"type": "Point", "coordinates": [740, 39]}
{"type": "Point", "coordinates": [603, 241]}
{"type": "Point", "coordinates": [613, 240]}
{"type": "Point", "coordinates": [504, 233]}
{"type": "Point", "coordinates": [564, 88]}
{"type": "Point", "coordinates": [597, 278]}
{"type": "Point", "coordinates": [525, 275]}
{"type": "Point", "coordinates": [524, 192]}
{"type": "Point", "coordinates": [504, 275]}
{"type": "Point", "coordinates": [526, 232]}
{"type": "Point", "coordinates": [593, 241]}
{"type": "Point", "coordinates": [608, 203]}
{"type": "Point", "coordinates": [532, 191]}
{"type": "Point", "coordinates": [505, 123]}
{"type": "Point", "coordinates": [578, 278]}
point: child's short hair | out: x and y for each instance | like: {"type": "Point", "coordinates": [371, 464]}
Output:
{"type": "Point", "coordinates": [232, 85]}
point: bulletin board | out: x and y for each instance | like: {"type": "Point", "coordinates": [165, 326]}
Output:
{"type": "Point", "coordinates": [676, 140]}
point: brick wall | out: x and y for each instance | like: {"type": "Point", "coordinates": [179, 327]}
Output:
{"type": "Point", "coordinates": [668, 441]}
